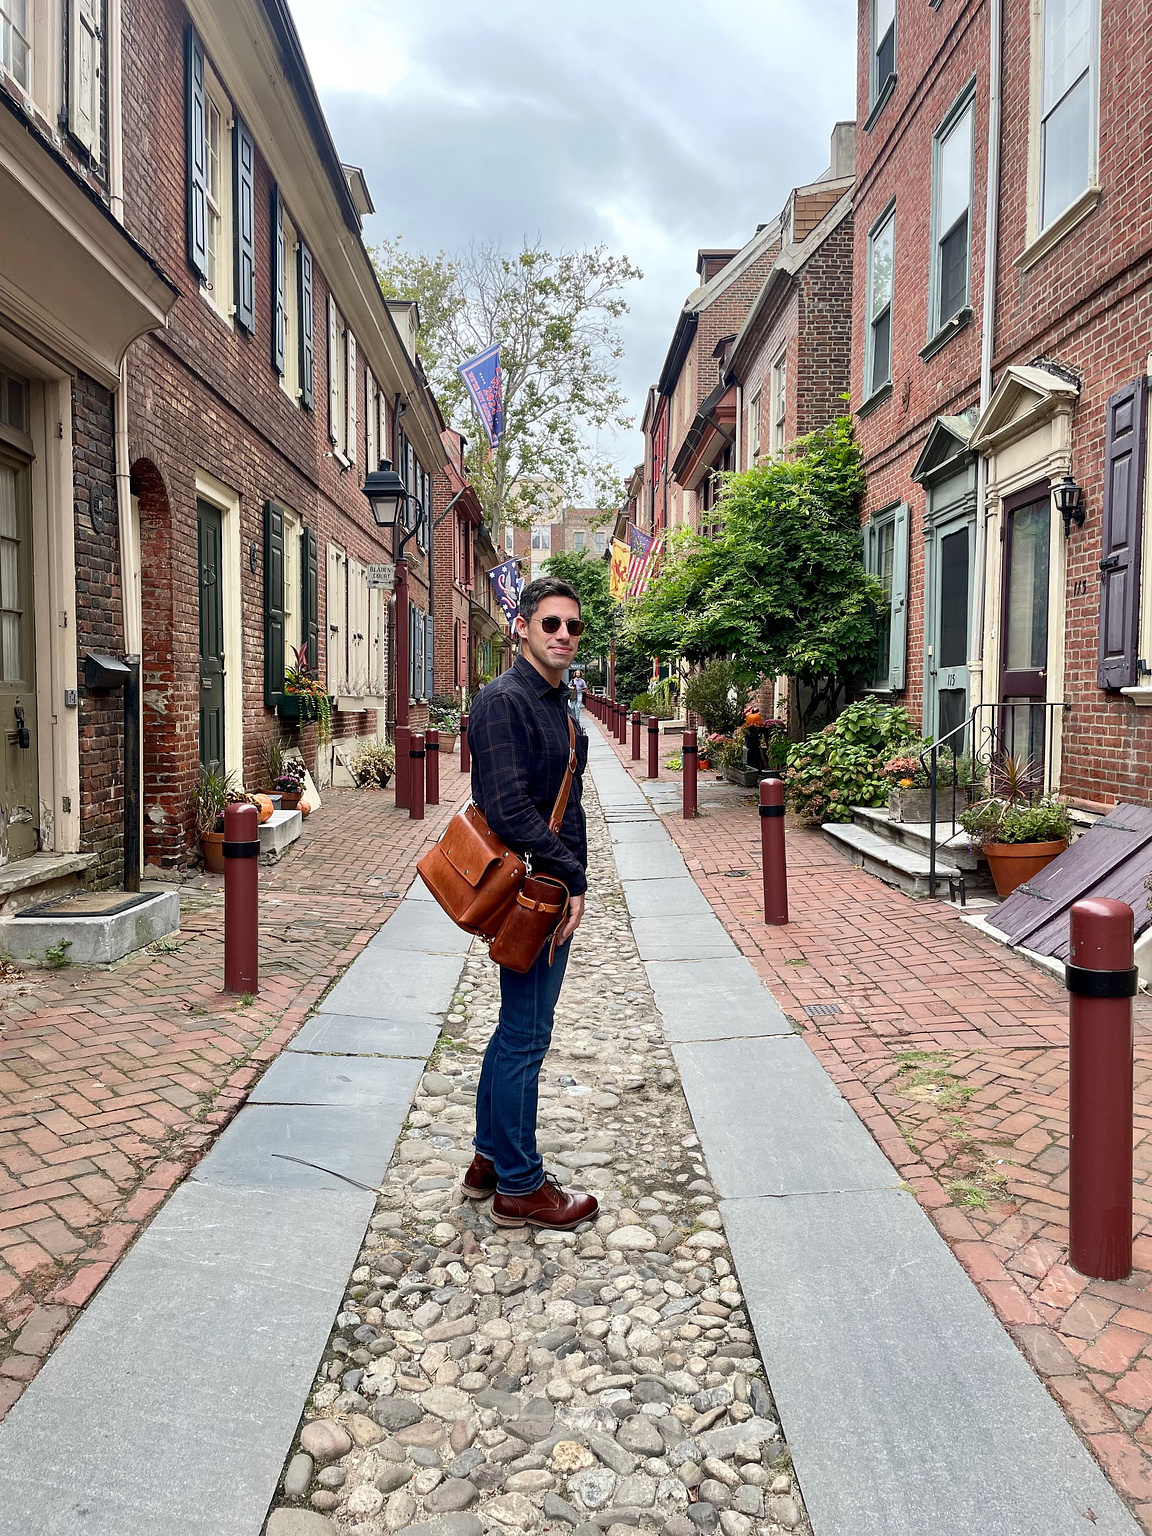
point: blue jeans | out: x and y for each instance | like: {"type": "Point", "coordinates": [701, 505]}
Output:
{"type": "Point", "coordinates": [506, 1097]}
{"type": "Point", "coordinates": [576, 704]}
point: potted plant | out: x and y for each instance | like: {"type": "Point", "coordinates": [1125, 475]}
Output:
{"type": "Point", "coordinates": [305, 697]}
{"type": "Point", "coordinates": [289, 782]}
{"type": "Point", "coordinates": [1017, 830]}
{"type": "Point", "coordinates": [374, 762]}
{"type": "Point", "coordinates": [444, 716]}
{"type": "Point", "coordinates": [910, 795]}
{"type": "Point", "coordinates": [214, 790]}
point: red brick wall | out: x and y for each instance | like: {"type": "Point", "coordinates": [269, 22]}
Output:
{"type": "Point", "coordinates": [824, 343]}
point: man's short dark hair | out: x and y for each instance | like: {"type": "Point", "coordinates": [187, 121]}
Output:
{"type": "Point", "coordinates": [536, 591]}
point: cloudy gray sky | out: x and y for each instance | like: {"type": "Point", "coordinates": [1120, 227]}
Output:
{"type": "Point", "coordinates": [651, 126]}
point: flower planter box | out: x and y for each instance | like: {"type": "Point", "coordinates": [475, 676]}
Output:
{"type": "Point", "coordinates": [296, 706]}
{"type": "Point", "coordinates": [915, 805]}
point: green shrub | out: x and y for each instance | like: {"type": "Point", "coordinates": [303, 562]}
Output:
{"type": "Point", "coordinates": [652, 704]}
{"type": "Point", "coordinates": [717, 697]}
{"type": "Point", "coordinates": [992, 821]}
{"type": "Point", "coordinates": [844, 764]}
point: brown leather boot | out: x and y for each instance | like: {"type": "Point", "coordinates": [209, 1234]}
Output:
{"type": "Point", "coordinates": [549, 1206]}
{"type": "Point", "coordinates": [480, 1180]}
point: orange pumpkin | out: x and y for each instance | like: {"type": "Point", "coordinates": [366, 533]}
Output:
{"type": "Point", "coordinates": [753, 717]}
{"type": "Point", "coordinates": [304, 807]}
{"type": "Point", "coordinates": [264, 805]}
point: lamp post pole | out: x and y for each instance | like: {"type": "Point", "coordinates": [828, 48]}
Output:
{"type": "Point", "coordinates": [402, 731]}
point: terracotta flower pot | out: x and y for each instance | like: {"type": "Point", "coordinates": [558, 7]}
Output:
{"type": "Point", "coordinates": [1014, 863]}
{"type": "Point", "coordinates": [212, 846]}
{"type": "Point", "coordinates": [447, 743]}
{"type": "Point", "coordinates": [288, 800]}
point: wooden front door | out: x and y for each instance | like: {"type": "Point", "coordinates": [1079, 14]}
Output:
{"type": "Point", "coordinates": [19, 777]}
{"type": "Point", "coordinates": [950, 602]}
{"type": "Point", "coordinates": [1024, 625]}
{"type": "Point", "coordinates": [209, 540]}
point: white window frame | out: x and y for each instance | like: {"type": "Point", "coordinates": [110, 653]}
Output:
{"type": "Point", "coordinates": [372, 454]}
{"type": "Point", "coordinates": [963, 108]}
{"type": "Point", "coordinates": [218, 208]}
{"type": "Point", "coordinates": [290, 378]}
{"type": "Point", "coordinates": [336, 610]}
{"type": "Point", "coordinates": [509, 539]}
{"type": "Point", "coordinates": [599, 541]}
{"type": "Point", "coordinates": [540, 534]}
{"type": "Point", "coordinates": [24, 33]}
{"type": "Point", "coordinates": [293, 595]}
{"type": "Point", "coordinates": [880, 521]}
{"type": "Point", "coordinates": [578, 539]}
{"type": "Point", "coordinates": [779, 402]}
{"type": "Point", "coordinates": [754, 429]}
{"type": "Point", "coordinates": [877, 86]}
{"type": "Point", "coordinates": [871, 386]}
{"type": "Point", "coordinates": [1041, 219]}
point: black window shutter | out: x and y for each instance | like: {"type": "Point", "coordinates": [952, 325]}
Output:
{"type": "Point", "coordinates": [244, 158]}
{"type": "Point", "coordinates": [277, 282]}
{"type": "Point", "coordinates": [273, 602]}
{"type": "Point", "coordinates": [304, 279]}
{"type": "Point", "coordinates": [1120, 552]}
{"type": "Point", "coordinates": [195, 149]}
{"type": "Point", "coordinates": [310, 605]}
{"type": "Point", "coordinates": [429, 647]}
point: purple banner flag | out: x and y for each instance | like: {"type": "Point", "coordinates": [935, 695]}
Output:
{"type": "Point", "coordinates": [506, 583]}
{"type": "Point", "coordinates": [481, 375]}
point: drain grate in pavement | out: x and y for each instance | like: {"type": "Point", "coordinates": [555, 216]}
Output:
{"type": "Point", "coordinates": [814, 1010]}
{"type": "Point", "coordinates": [735, 874]}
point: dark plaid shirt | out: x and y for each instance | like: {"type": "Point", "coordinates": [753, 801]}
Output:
{"type": "Point", "coordinates": [518, 737]}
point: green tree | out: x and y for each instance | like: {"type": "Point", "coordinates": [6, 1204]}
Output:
{"type": "Point", "coordinates": [781, 589]}
{"type": "Point", "coordinates": [555, 317]}
{"type": "Point", "coordinates": [589, 578]}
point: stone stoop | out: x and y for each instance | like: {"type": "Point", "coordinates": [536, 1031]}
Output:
{"type": "Point", "coordinates": [278, 833]}
{"type": "Point", "coordinates": [918, 837]}
{"type": "Point", "coordinates": [64, 933]}
{"type": "Point", "coordinates": [893, 862]}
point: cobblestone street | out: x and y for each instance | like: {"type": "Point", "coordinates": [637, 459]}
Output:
{"type": "Point", "coordinates": [601, 1379]}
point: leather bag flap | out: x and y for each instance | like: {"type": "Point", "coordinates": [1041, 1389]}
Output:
{"type": "Point", "coordinates": [471, 850]}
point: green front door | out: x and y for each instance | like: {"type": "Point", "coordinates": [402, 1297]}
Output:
{"type": "Point", "coordinates": [209, 537]}
{"type": "Point", "coordinates": [19, 779]}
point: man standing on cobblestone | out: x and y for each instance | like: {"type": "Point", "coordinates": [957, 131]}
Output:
{"type": "Point", "coordinates": [518, 733]}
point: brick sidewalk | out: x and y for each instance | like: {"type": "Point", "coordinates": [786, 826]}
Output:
{"type": "Point", "coordinates": [113, 1083]}
{"type": "Point", "coordinates": [953, 1052]}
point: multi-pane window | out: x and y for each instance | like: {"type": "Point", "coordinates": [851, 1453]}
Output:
{"type": "Point", "coordinates": [952, 216]}
{"type": "Point", "coordinates": [212, 190]}
{"type": "Point", "coordinates": [1068, 104]}
{"type": "Point", "coordinates": [217, 198]}
{"type": "Point", "coordinates": [881, 550]}
{"type": "Point", "coordinates": [578, 539]}
{"type": "Point", "coordinates": [754, 430]}
{"type": "Point", "coordinates": [290, 378]}
{"type": "Point", "coordinates": [883, 44]}
{"type": "Point", "coordinates": [878, 359]}
{"type": "Point", "coordinates": [15, 47]}
{"type": "Point", "coordinates": [779, 402]}
{"type": "Point", "coordinates": [542, 540]}
{"type": "Point", "coordinates": [598, 541]}
{"type": "Point", "coordinates": [509, 538]}
{"type": "Point", "coordinates": [11, 600]}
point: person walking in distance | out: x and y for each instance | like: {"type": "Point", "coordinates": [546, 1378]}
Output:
{"type": "Point", "coordinates": [577, 689]}
{"type": "Point", "coordinates": [519, 737]}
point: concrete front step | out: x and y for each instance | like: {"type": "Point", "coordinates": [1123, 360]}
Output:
{"type": "Point", "coordinates": [894, 863]}
{"type": "Point", "coordinates": [918, 835]}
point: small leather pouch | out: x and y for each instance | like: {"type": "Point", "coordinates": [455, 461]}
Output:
{"type": "Point", "coordinates": [534, 918]}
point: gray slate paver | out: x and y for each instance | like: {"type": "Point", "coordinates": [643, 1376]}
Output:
{"type": "Point", "coordinates": [675, 897]}
{"type": "Point", "coordinates": [713, 999]}
{"type": "Point", "coordinates": [423, 927]}
{"type": "Point", "coordinates": [350, 1036]}
{"type": "Point", "coordinates": [140, 1424]}
{"type": "Point", "coordinates": [649, 861]}
{"type": "Point", "coordinates": [907, 1407]}
{"type": "Point", "coordinates": [351, 1140]}
{"type": "Point", "coordinates": [366, 1082]}
{"type": "Point", "coordinates": [773, 1122]}
{"type": "Point", "coordinates": [395, 984]}
{"type": "Point", "coordinates": [696, 936]}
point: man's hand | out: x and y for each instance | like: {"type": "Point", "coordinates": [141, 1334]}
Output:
{"type": "Point", "coordinates": [572, 921]}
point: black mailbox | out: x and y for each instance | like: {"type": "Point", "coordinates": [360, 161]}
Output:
{"type": "Point", "coordinates": [103, 673]}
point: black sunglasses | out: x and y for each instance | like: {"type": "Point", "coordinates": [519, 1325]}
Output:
{"type": "Point", "coordinates": [551, 625]}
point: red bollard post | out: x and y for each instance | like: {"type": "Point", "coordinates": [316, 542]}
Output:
{"type": "Point", "coordinates": [432, 767]}
{"type": "Point", "coordinates": [416, 777]}
{"type": "Point", "coordinates": [653, 747]}
{"type": "Point", "coordinates": [622, 726]}
{"type": "Point", "coordinates": [689, 760]}
{"type": "Point", "coordinates": [1101, 982]}
{"type": "Point", "coordinates": [772, 851]}
{"type": "Point", "coordinates": [241, 898]}
{"type": "Point", "coordinates": [465, 752]}
{"type": "Point", "coordinates": [403, 740]}
{"type": "Point", "coordinates": [635, 735]}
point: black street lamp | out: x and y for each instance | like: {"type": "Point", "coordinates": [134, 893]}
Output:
{"type": "Point", "coordinates": [1069, 503]}
{"type": "Point", "coordinates": [387, 495]}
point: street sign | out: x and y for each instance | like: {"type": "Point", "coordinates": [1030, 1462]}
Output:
{"type": "Point", "coordinates": [382, 576]}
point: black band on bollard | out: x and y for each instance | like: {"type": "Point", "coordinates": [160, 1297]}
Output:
{"type": "Point", "coordinates": [412, 752]}
{"type": "Point", "coordinates": [1086, 983]}
{"type": "Point", "coordinates": [771, 810]}
{"type": "Point", "coordinates": [243, 850]}
{"type": "Point", "coordinates": [689, 751]}
{"type": "Point", "coordinates": [431, 746]}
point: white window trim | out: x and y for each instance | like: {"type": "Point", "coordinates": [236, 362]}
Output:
{"type": "Point", "coordinates": [336, 619]}
{"type": "Point", "coordinates": [965, 102]}
{"type": "Point", "coordinates": [227, 500]}
{"type": "Point", "coordinates": [779, 402]}
{"type": "Point", "coordinates": [884, 517]}
{"type": "Point", "coordinates": [887, 217]}
{"type": "Point", "coordinates": [876, 85]}
{"type": "Point", "coordinates": [219, 297]}
{"type": "Point", "coordinates": [1041, 240]}
{"type": "Point", "coordinates": [755, 429]}
{"type": "Point", "coordinates": [292, 597]}
{"type": "Point", "coordinates": [290, 378]}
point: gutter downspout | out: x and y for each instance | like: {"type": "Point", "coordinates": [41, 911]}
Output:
{"type": "Point", "coordinates": [987, 330]}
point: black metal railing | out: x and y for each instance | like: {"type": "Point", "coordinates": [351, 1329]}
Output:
{"type": "Point", "coordinates": [1024, 731]}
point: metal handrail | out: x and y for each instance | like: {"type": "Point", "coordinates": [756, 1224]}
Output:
{"type": "Point", "coordinates": [987, 743]}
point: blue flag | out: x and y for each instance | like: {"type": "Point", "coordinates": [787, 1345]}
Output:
{"type": "Point", "coordinates": [506, 583]}
{"type": "Point", "coordinates": [481, 375]}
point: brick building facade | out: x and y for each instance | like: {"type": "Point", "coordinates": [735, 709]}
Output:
{"type": "Point", "coordinates": [1006, 139]}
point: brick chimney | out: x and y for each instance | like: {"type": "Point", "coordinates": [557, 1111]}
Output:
{"type": "Point", "coordinates": [843, 150]}
{"type": "Point", "coordinates": [709, 262]}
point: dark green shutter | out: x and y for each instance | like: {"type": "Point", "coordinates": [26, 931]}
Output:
{"type": "Point", "coordinates": [278, 311]}
{"type": "Point", "coordinates": [196, 193]}
{"type": "Point", "coordinates": [898, 652]}
{"type": "Point", "coordinates": [273, 602]}
{"type": "Point", "coordinates": [310, 604]}
{"type": "Point", "coordinates": [304, 281]}
{"type": "Point", "coordinates": [244, 166]}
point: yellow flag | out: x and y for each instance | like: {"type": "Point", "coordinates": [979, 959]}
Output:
{"type": "Point", "coordinates": [618, 570]}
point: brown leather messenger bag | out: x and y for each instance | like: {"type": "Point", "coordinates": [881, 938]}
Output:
{"type": "Point", "coordinates": [487, 889]}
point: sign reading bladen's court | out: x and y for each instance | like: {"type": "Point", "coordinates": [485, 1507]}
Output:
{"type": "Point", "coordinates": [382, 576]}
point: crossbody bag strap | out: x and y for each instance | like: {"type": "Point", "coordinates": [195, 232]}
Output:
{"type": "Point", "coordinates": [557, 817]}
